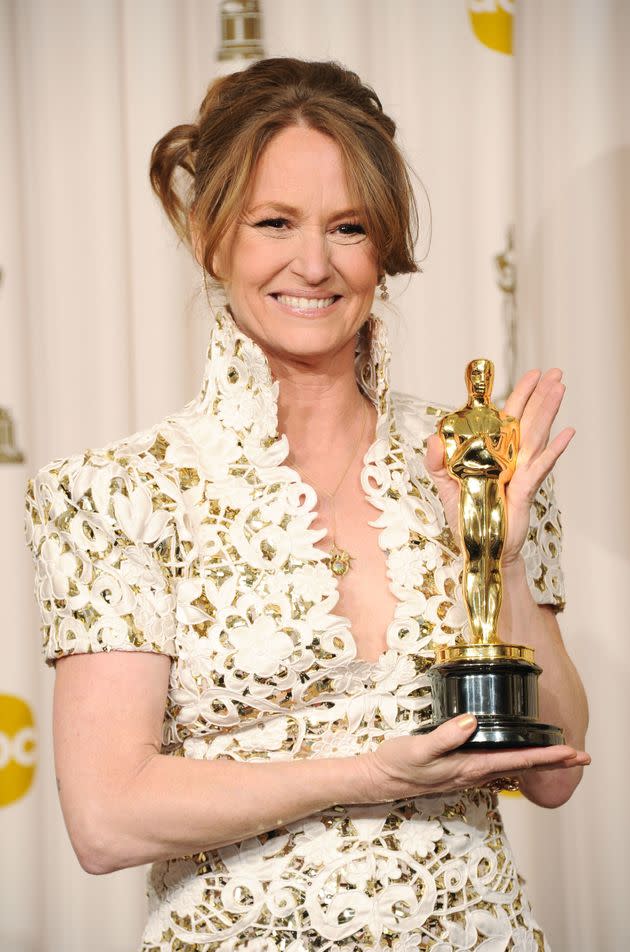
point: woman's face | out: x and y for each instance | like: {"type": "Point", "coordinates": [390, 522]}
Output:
{"type": "Point", "coordinates": [299, 271]}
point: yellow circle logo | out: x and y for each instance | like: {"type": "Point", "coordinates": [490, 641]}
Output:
{"type": "Point", "coordinates": [17, 748]}
{"type": "Point", "coordinates": [492, 23]}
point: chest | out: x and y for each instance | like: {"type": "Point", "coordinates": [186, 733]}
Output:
{"type": "Point", "coordinates": [365, 596]}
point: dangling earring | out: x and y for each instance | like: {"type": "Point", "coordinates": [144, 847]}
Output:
{"type": "Point", "coordinates": [383, 292]}
{"type": "Point", "coordinates": [216, 296]}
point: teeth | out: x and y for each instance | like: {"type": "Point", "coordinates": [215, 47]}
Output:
{"type": "Point", "coordinates": [304, 303]}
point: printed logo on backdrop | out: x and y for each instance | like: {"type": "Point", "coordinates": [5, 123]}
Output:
{"type": "Point", "coordinates": [492, 23]}
{"type": "Point", "coordinates": [18, 748]}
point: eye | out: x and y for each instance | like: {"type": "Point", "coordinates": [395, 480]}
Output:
{"type": "Point", "coordinates": [352, 228]}
{"type": "Point", "coordinates": [275, 223]}
{"type": "Point", "coordinates": [348, 233]}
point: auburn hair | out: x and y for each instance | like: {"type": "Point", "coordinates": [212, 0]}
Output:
{"type": "Point", "coordinates": [204, 169]}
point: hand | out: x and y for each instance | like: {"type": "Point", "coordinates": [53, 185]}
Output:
{"type": "Point", "coordinates": [422, 765]}
{"type": "Point", "coordinates": [535, 401]}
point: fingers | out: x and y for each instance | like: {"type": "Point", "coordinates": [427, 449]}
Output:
{"type": "Point", "coordinates": [535, 402]}
{"type": "Point", "coordinates": [532, 382]}
{"type": "Point", "coordinates": [535, 758]}
{"type": "Point", "coordinates": [537, 398]}
{"type": "Point", "coordinates": [528, 478]}
{"type": "Point", "coordinates": [530, 392]}
{"type": "Point", "coordinates": [540, 468]}
{"type": "Point", "coordinates": [539, 414]}
{"type": "Point", "coordinates": [434, 459]}
{"type": "Point", "coordinates": [582, 761]}
{"type": "Point", "coordinates": [517, 401]}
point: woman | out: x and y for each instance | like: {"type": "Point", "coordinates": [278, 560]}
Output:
{"type": "Point", "coordinates": [236, 677]}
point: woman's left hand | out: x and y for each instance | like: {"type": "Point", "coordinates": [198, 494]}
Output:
{"type": "Point", "coordinates": [535, 401]}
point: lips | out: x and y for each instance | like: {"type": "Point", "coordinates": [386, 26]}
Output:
{"type": "Point", "coordinates": [305, 304]}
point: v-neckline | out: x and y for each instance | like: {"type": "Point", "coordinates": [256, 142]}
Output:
{"type": "Point", "coordinates": [371, 665]}
{"type": "Point", "coordinates": [236, 361]}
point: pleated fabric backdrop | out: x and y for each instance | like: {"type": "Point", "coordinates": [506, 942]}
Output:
{"type": "Point", "coordinates": [103, 332]}
{"type": "Point", "coordinates": [573, 216]}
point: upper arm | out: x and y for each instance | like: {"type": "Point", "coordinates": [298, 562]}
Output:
{"type": "Point", "coordinates": [100, 537]}
{"type": "Point", "coordinates": [108, 713]}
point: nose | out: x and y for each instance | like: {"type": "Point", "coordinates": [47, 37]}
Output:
{"type": "Point", "coordinates": [312, 257]}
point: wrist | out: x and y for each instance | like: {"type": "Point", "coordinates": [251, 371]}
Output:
{"type": "Point", "coordinates": [513, 567]}
{"type": "Point", "coordinates": [347, 779]}
{"type": "Point", "coordinates": [360, 779]}
{"type": "Point", "coordinates": [515, 584]}
{"type": "Point", "coordinates": [519, 609]}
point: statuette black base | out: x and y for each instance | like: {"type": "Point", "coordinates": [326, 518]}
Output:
{"type": "Point", "coordinates": [503, 696]}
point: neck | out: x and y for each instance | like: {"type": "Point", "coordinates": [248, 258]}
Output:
{"type": "Point", "coordinates": [319, 405]}
{"type": "Point", "coordinates": [315, 405]}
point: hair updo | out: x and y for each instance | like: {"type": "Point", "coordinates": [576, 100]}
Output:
{"type": "Point", "coordinates": [205, 168]}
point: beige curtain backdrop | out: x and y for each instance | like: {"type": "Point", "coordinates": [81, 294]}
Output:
{"type": "Point", "coordinates": [103, 331]}
{"type": "Point", "coordinates": [573, 173]}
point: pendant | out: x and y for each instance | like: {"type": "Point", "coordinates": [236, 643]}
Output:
{"type": "Point", "coordinates": [339, 561]}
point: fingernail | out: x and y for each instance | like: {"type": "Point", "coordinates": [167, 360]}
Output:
{"type": "Point", "coordinates": [466, 721]}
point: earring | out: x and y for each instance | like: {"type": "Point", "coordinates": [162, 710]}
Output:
{"type": "Point", "coordinates": [383, 292]}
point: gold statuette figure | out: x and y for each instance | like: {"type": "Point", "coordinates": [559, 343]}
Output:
{"type": "Point", "coordinates": [495, 681]}
{"type": "Point", "coordinates": [481, 447]}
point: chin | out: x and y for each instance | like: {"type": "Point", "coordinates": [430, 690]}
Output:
{"type": "Point", "coordinates": [308, 342]}
{"type": "Point", "coordinates": [308, 336]}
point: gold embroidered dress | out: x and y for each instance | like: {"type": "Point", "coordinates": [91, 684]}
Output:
{"type": "Point", "coordinates": [193, 539]}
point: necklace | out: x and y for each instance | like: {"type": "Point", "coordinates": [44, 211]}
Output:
{"type": "Point", "coordinates": [339, 559]}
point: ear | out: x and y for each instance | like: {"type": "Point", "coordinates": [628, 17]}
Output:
{"type": "Point", "coordinates": [222, 257]}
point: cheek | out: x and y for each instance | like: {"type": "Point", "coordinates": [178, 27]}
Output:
{"type": "Point", "coordinates": [255, 262]}
{"type": "Point", "coordinates": [239, 259]}
{"type": "Point", "coordinates": [361, 267]}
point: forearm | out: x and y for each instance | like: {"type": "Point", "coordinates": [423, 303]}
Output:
{"type": "Point", "coordinates": [562, 698]}
{"type": "Point", "coordinates": [175, 806]}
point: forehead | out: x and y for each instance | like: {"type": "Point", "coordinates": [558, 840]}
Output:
{"type": "Point", "coordinates": [301, 167]}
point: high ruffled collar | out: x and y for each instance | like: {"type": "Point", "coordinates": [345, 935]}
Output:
{"type": "Point", "coordinates": [238, 387]}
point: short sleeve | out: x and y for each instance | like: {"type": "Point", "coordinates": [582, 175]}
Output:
{"type": "Point", "coordinates": [97, 540]}
{"type": "Point", "coordinates": [543, 548]}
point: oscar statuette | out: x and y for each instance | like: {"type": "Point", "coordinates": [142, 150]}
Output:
{"type": "Point", "coordinates": [495, 681]}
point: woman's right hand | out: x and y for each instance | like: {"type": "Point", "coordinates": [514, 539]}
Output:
{"type": "Point", "coordinates": [425, 764]}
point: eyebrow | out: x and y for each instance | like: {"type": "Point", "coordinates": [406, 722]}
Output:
{"type": "Point", "coordinates": [291, 210]}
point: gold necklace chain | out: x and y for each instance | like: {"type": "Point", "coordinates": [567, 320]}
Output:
{"type": "Point", "coordinates": [339, 559]}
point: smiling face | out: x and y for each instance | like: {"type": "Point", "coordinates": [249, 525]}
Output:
{"type": "Point", "coordinates": [299, 270]}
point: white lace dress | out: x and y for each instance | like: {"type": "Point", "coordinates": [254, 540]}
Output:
{"type": "Point", "coordinates": [193, 539]}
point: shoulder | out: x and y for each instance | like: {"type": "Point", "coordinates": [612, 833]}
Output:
{"type": "Point", "coordinates": [85, 471]}
{"type": "Point", "coordinates": [127, 486]}
{"type": "Point", "coordinates": [154, 451]}
{"type": "Point", "coordinates": [106, 531]}
{"type": "Point", "coordinates": [417, 418]}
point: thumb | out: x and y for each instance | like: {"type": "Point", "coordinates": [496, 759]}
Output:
{"type": "Point", "coordinates": [450, 735]}
{"type": "Point", "coordinates": [434, 459]}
